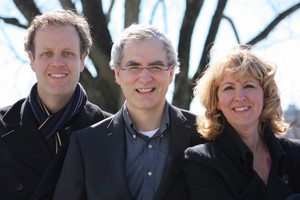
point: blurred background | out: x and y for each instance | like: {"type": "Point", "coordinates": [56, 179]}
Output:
{"type": "Point", "coordinates": [272, 27]}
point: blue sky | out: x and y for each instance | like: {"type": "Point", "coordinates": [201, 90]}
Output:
{"type": "Point", "coordinates": [281, 47]}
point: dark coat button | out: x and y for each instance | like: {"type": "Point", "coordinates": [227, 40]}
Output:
{"type": "Point", "coordinates": [285, 178]}
{"type": "Point", "coordinates": [19, 187]}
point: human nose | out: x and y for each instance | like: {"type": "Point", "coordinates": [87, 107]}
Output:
{"type": "Point", "coordinates": [57, 60]}
{"type": "Point", "coordinates": [240, 95]}
{"type": "Point", "coordinates": [145, 75]}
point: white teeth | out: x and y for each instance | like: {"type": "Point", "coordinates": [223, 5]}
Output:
{"type": "Point", "coordinates": [57, 75]}
{"type": "Point", "coordinates": [241, 108]}
{"type": "Point", "coordinates": [144, 90]}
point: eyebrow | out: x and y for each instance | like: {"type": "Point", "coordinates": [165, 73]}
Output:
{"type": "Point", "coordinates": [244, 82]}
{"type": "Point", "coordinates": [131, 63]}
{"type": "Point", "coordinates": [251, 81]}
{"type": "Point", "coordinates": [157, 63]}
{"type": "Point", "coordinates": [226, 83]}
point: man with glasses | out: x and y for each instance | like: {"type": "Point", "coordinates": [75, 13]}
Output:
{"type": "Point", "coordinates": [137, 153]}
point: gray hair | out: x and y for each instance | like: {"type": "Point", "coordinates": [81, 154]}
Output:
{"type": "Point", "coordinates": [138, 32]}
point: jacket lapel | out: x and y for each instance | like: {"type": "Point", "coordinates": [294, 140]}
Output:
{"type": "Point", "coordinates": [24, 141]}
{"type": "Point", "coordinates": [180, 140]}
{"type": "Point", "coordinates": [115, 149]}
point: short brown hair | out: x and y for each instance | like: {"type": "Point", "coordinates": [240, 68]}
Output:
{"type": "Point", "coordinates": [60, 17]}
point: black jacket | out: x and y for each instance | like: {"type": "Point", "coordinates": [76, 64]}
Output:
{"type": "Point", "coordinates": [95, 162]}
{"type": "Point", "coordinates": [27, 169]}
{"type": "Point", "coordinates": [223, 169]}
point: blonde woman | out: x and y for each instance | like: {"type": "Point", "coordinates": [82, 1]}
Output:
{"type": "Point", "coordinates": [244, 158]}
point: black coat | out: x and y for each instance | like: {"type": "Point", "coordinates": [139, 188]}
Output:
{"type": "Point", "coordinates": [95, 162]}
{"type": "Point", "coordinates": [223, 169]}
{"type": "Point", "coordinates": [27, 169]}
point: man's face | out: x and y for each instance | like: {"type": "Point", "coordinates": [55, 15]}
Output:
{"type": "Point", "coordinates": [145, 90]}
{"type": "Point", "coordinates": [57, 61]}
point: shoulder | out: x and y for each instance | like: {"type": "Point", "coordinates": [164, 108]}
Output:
{"type": "Point", "coordinates": [3, 111]}
{"type": "Point", "coordinates": [198, 150]}
{"type": "Point", "coordinates": [96, 129]}
{"type": "Point", "coordinates": [11, 114]}
{"type": "Point", "coordinates": [186, 113]}
{"type": "Point", "coordinates": [94, 110]}
{"type": "Point", "coordinates": [290, 145]}
{"type": "Point", "coordinates": [207, 151]}
{"type": "Point", "coordinates": [15, 107]}
{"type": "Point", "coordinates": [189, 115]}
{"type": "Point", "coordinates": [182, 114]}
{"type": "Point", "coordinates": [187, 119]}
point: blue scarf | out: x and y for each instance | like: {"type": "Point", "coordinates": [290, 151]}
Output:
{"type": "Point", "coordinates": [52, 125]}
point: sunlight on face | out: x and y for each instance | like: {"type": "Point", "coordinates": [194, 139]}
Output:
{"type": "Point", "coordinates": [241, 101]}
{"type": "Point", "coordinates": [144, 90]}
{"type": "Point", "coordinates": [57, 61]}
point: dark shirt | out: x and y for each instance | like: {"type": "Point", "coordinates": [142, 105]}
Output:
{"type": "Point", "coordinates": [146, 157]}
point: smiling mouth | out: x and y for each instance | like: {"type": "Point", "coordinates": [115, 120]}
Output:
{"type": "Point", "coordinates": [57, 75]}
{"type": "Point", "coordinates": [241, 108]}
{"type": "Point", "coordinates": [145, 90]}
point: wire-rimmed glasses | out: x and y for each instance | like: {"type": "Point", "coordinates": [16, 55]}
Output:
{"type": "Point", "coordinates": [154, 69]}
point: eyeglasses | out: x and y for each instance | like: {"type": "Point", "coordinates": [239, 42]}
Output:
{"type": "Point", "coordinates": [154, 69]}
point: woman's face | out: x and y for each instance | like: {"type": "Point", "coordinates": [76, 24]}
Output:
{"type": "Point", "coordinates": [241, 101]}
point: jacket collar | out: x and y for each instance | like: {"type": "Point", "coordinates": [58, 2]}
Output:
{"type": "Point", "coordinates": [115, 146]}
{"type": "Point", "coordinates": [230, 141]}
{"type": "Point", "coordinates": [22, 137]}
{"type": "Point", "coordinates": [180, 140]}
{"type": "Point", "coordinates": [278, 154]}
{"type": "Point", "coordinates": [15, 114]}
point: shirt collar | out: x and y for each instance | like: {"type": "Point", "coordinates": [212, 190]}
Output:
{"type": "Point", "coordinates": [230, 141]}
{"type": "Point", "coordinates": [163, 126]}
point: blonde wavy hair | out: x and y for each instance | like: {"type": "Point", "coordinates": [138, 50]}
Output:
{"type": "Point", "coordinates": [240, 62]}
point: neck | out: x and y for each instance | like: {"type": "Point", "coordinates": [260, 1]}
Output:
{"type": "Point", "coordinates": [253, 141]}
{"type": "Point", "coordinates": [146, 120]}
{"type": "Point", "coordinates": [54, 104]}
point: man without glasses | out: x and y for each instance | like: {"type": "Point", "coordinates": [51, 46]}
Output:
{"type": "Point", "coordinates": [34, 131]}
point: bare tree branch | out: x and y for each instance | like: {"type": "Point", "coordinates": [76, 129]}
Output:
{"type": "Point", "coordinates": [102, 89]}
{"type": "Point", "coordinates": [154, 10]}
{"type": "Point", "coordinates": [273, 24]}
{"type": "Point", "coordinates": [164, 12]}
{"type": "Point", "coordinates": [183, 85]}
{"type": "Point", "coordinates": [68, 5]}
{"type": "Point", "coordinates": [109, 10]}
{"type": "Point", "coordinates": [103, 86]}
{"type": "Point", "coordinates": [11, 47]}
{"type": "Point", "coordinates": [13, 21]}
{"type": "Point", "coordinates": [233, 28]}
{"type": "Point", "coordinates": [132, 12]}
{"type": "Point", "coordinates": [181, 98]}
{"type": "Point", "coordinates": [212, 33]}
{"type": "Point", "coordinates": [28, 8]}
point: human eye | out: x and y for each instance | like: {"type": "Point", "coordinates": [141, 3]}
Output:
{"type": "Point", "coordinates": [228, 88]}
{"type": "Point", "coordinates": [249, 86]}
{"type": "Point", "coordinates": [156, 68]}
{"type": "Point", "coordinates": [133, 68]}
{"type": "Point", "coordinates": [67, 54]}
{"type": "Point", "coordinates": [46, 54]}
